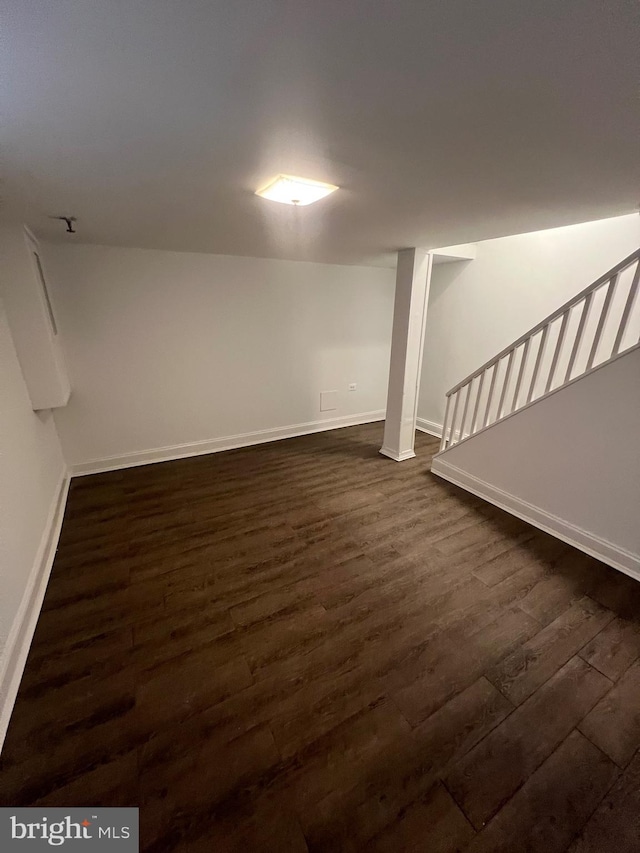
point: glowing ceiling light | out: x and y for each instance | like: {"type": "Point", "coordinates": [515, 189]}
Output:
{"type": "Point", "coordinates": [300, 191]}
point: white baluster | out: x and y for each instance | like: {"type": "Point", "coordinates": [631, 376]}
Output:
{"type": "Point", "coordinates": [507, 377]}
{"type": "Point", "coordinates": [579, 333]}
{"type": "Point", "coordinates": [633, 292]}
{"type": "Point", "coordinates": [474, 419]}
{"type": "Point", "coordinates": [452, 435]}
{"type": "Point", "coordinates": [490, 395]}
{"type": "Point", "coordinates": [443, 439]}
{"type": "Point", "coordinates": [604, 314]}
{"type": "Point", "coordinates": [556, 352]}
{"type": "Point", "coordinates": [466, 409]}
{"type": "Point", "coordinates": [525, 353]}
{"type": "Point", "coordinates": [536, 367]}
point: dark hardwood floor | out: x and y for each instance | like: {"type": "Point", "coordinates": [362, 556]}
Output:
{"type": "Point", "coordinates": [306, 646]}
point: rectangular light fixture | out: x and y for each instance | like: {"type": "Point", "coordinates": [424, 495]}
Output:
{"type": "Point", "coordinates": [299, 191]}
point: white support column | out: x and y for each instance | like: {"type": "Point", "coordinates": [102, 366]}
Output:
{"type": "Point", "coordinates": [413, 278]}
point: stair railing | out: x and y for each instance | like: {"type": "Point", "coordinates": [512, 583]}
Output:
{"type": "Point", "coordinates": [590, 329]}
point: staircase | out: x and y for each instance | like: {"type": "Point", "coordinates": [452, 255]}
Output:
{"type": "Point", "coordinates": [524, 429]}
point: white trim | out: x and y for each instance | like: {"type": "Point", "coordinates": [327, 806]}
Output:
{"type": "Point", "coordinates": [215, 445]}
{"type": "Point", "coordinates": [14, 654]}
{"type": "Point", "coordinates": [539, 399]}
{"type": "Point", "coordinates": [571, 303]}
{"type": "Point", "coordinates": [588, 542]}
{"type": "Point", "coordinates": [423, 332]}
{"type": "Point", "coordinates": [430, 427]}
{"type": "Point", "coordinates": [397, 457]}
{"type": "Point", "coordinates": [452, 254]}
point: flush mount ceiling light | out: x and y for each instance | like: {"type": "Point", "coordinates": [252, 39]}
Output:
{"type": "Point", "coordinates": [299, 191]}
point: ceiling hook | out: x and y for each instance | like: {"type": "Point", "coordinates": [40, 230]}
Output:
{"type": "Point", "coordinates": [69, 220]}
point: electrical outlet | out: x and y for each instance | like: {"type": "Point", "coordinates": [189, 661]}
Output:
{"type": "Point", "coordinates": [352, 386]}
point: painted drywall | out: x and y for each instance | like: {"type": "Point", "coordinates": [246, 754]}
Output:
{"type": "Point", "coordinates": [167, 348]}
{"type": "Point", "coordinates": [154, 122]}
{"type": "Point", "coordinates": [32, 322]}
{"type": "Point", "coordinates": [573, 457]}
{"type": "Point", "coordinates": [32, 475]}
{"type": "Point", "coordinates": [31, 467]}
{"type": "Point", "coordinates": [476, 308]}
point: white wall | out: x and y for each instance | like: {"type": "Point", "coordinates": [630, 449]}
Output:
{"type": "Point", "coordinates": [167, 348]}
{"type": "Point", "coordinates": [570, 463]}
{"type": "Point", "coordinates": [31, 476]}
{"type": "Point", "coordinates": [31, 321]}
{"type": "Point", "coordinates": [477, 308]}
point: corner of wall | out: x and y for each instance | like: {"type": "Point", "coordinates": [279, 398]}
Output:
{"type": "Point", "coordinates": [14, 655]}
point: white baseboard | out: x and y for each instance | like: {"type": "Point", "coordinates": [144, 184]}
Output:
{"type": "Point", "coordinates": [14, 654]}
{"type": "Point", "coordinates": [397, 457]}
{"type": "Point", "coordinates": [215, 445]}
{"type": "Point", "coordinates": [430, 427]}
{"type": "Point", "coordinates": [585, 541]}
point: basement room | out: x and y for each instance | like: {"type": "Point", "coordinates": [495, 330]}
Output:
{"type": "Point", "coordinates": [319, 418]}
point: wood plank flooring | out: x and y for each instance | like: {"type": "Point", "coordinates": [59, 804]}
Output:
{"type": "Point", "coordinates": [305, 646]}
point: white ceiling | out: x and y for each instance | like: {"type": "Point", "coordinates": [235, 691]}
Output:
{"type": "Point", "coordinates": [443, 121]}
